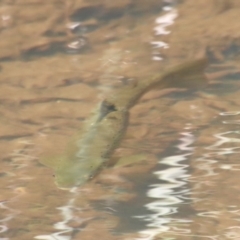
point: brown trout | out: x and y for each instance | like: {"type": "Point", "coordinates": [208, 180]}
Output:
{"type": "Point", "coordinates": [105, 129]}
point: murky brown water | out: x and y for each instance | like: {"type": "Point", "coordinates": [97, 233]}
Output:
{"type": "Point", "coordinates": [59, 59]}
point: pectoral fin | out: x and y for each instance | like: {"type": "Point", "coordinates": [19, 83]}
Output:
{"type": "Point", "coordinates": [128, 160]}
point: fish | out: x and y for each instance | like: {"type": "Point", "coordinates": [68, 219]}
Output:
{"type": "Point", "coordinates": [106, 127]}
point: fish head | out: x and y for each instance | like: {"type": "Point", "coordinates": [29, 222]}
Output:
{"type": "Point", "coordinates": [72, 176]}
{"type": "Point", "coordinates": [75, 173]}
{"type": "Point", "coordinates": [68, 172]}
{"type": "Point", "coordinates": [67, 179]}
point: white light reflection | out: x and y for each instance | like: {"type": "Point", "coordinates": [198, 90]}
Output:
{"type": "Point", "coordinates": [73, 25]}
{"type": "Point", "coordinates": [222, 140]}
{"type": "Point", "coordinates": [229, 113]}
{"type": "Point", "coordinates": [232, 122]}
{"type": "Point", "coordinates": [3, 222]}
{"type": "Point", "coordinates": [67, 212]}
{"type": "Point", "coordinates": [170, 193]}
{"type": "Point", "coordinates": [233, 113]}
{"type": "Point", "coordinates": [232, 167]}
{"type": "Point", "coordinates": [209, 161]}
{"type": "Point", "coordinates": [162, 23]}
{"type": "Point", "coordinates": [233, 232]}
{"type": "Point", "coordinates": [211, 214]}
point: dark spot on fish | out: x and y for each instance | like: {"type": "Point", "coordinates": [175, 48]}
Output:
{"type": "Point", "coordinates": [105, 109]}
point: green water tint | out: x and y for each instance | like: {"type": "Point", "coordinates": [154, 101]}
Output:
{"type": "Point", "coordinates": [104, 130]}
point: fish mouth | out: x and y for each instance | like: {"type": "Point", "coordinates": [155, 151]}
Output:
{"type": "Point", "coordinates": [72, 181]}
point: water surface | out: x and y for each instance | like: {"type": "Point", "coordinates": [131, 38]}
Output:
{"type": "Point", "coordinates": [59, 60]}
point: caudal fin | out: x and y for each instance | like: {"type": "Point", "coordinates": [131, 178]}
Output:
{"type": "Point", "coordinates": [189, 74]}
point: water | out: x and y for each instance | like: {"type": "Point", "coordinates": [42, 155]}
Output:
{"type": "Point", "coordinates": [59, 60]}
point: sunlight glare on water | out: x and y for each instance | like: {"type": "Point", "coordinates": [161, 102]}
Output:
{"type": "Point", "coordinates": [67, 212]}
{"type": "Point", "coordinates": [177, 178]}
{"type": "Point", "coordinates": [170, 193]}
{"type": "Point", "coordinates": [59, 60]}
{"type": "Point", "coordinates": [163, 23]}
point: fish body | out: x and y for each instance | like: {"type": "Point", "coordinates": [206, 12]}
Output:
{"type": "Point", "coordinates": [104, 130]}
{"type": "Point", "coordinates": [91, 151]}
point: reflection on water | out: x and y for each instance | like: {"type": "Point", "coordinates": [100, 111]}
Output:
{"type": "Point", "coordinates": [220, 155]}
{"type": "Point", "coordinates": [11, 213]}
{"type": "Point", "coordinates": [162, 24]}
{"type": "Point", "coordinates": [229, 113]}
{"type": "Point", "coordinates": [172, 192]}
{"type": "Point", "coordinates": [67, 214]}
{"type": "Point", "coordinates": [176, 190]}
{"type": "Point", "coordinates": [218, 149]}
{"type": "Point", "coordinates": [196, 191]}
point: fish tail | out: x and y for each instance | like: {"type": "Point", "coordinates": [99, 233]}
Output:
{"type": "Point", "coordinates": [186, 75]}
